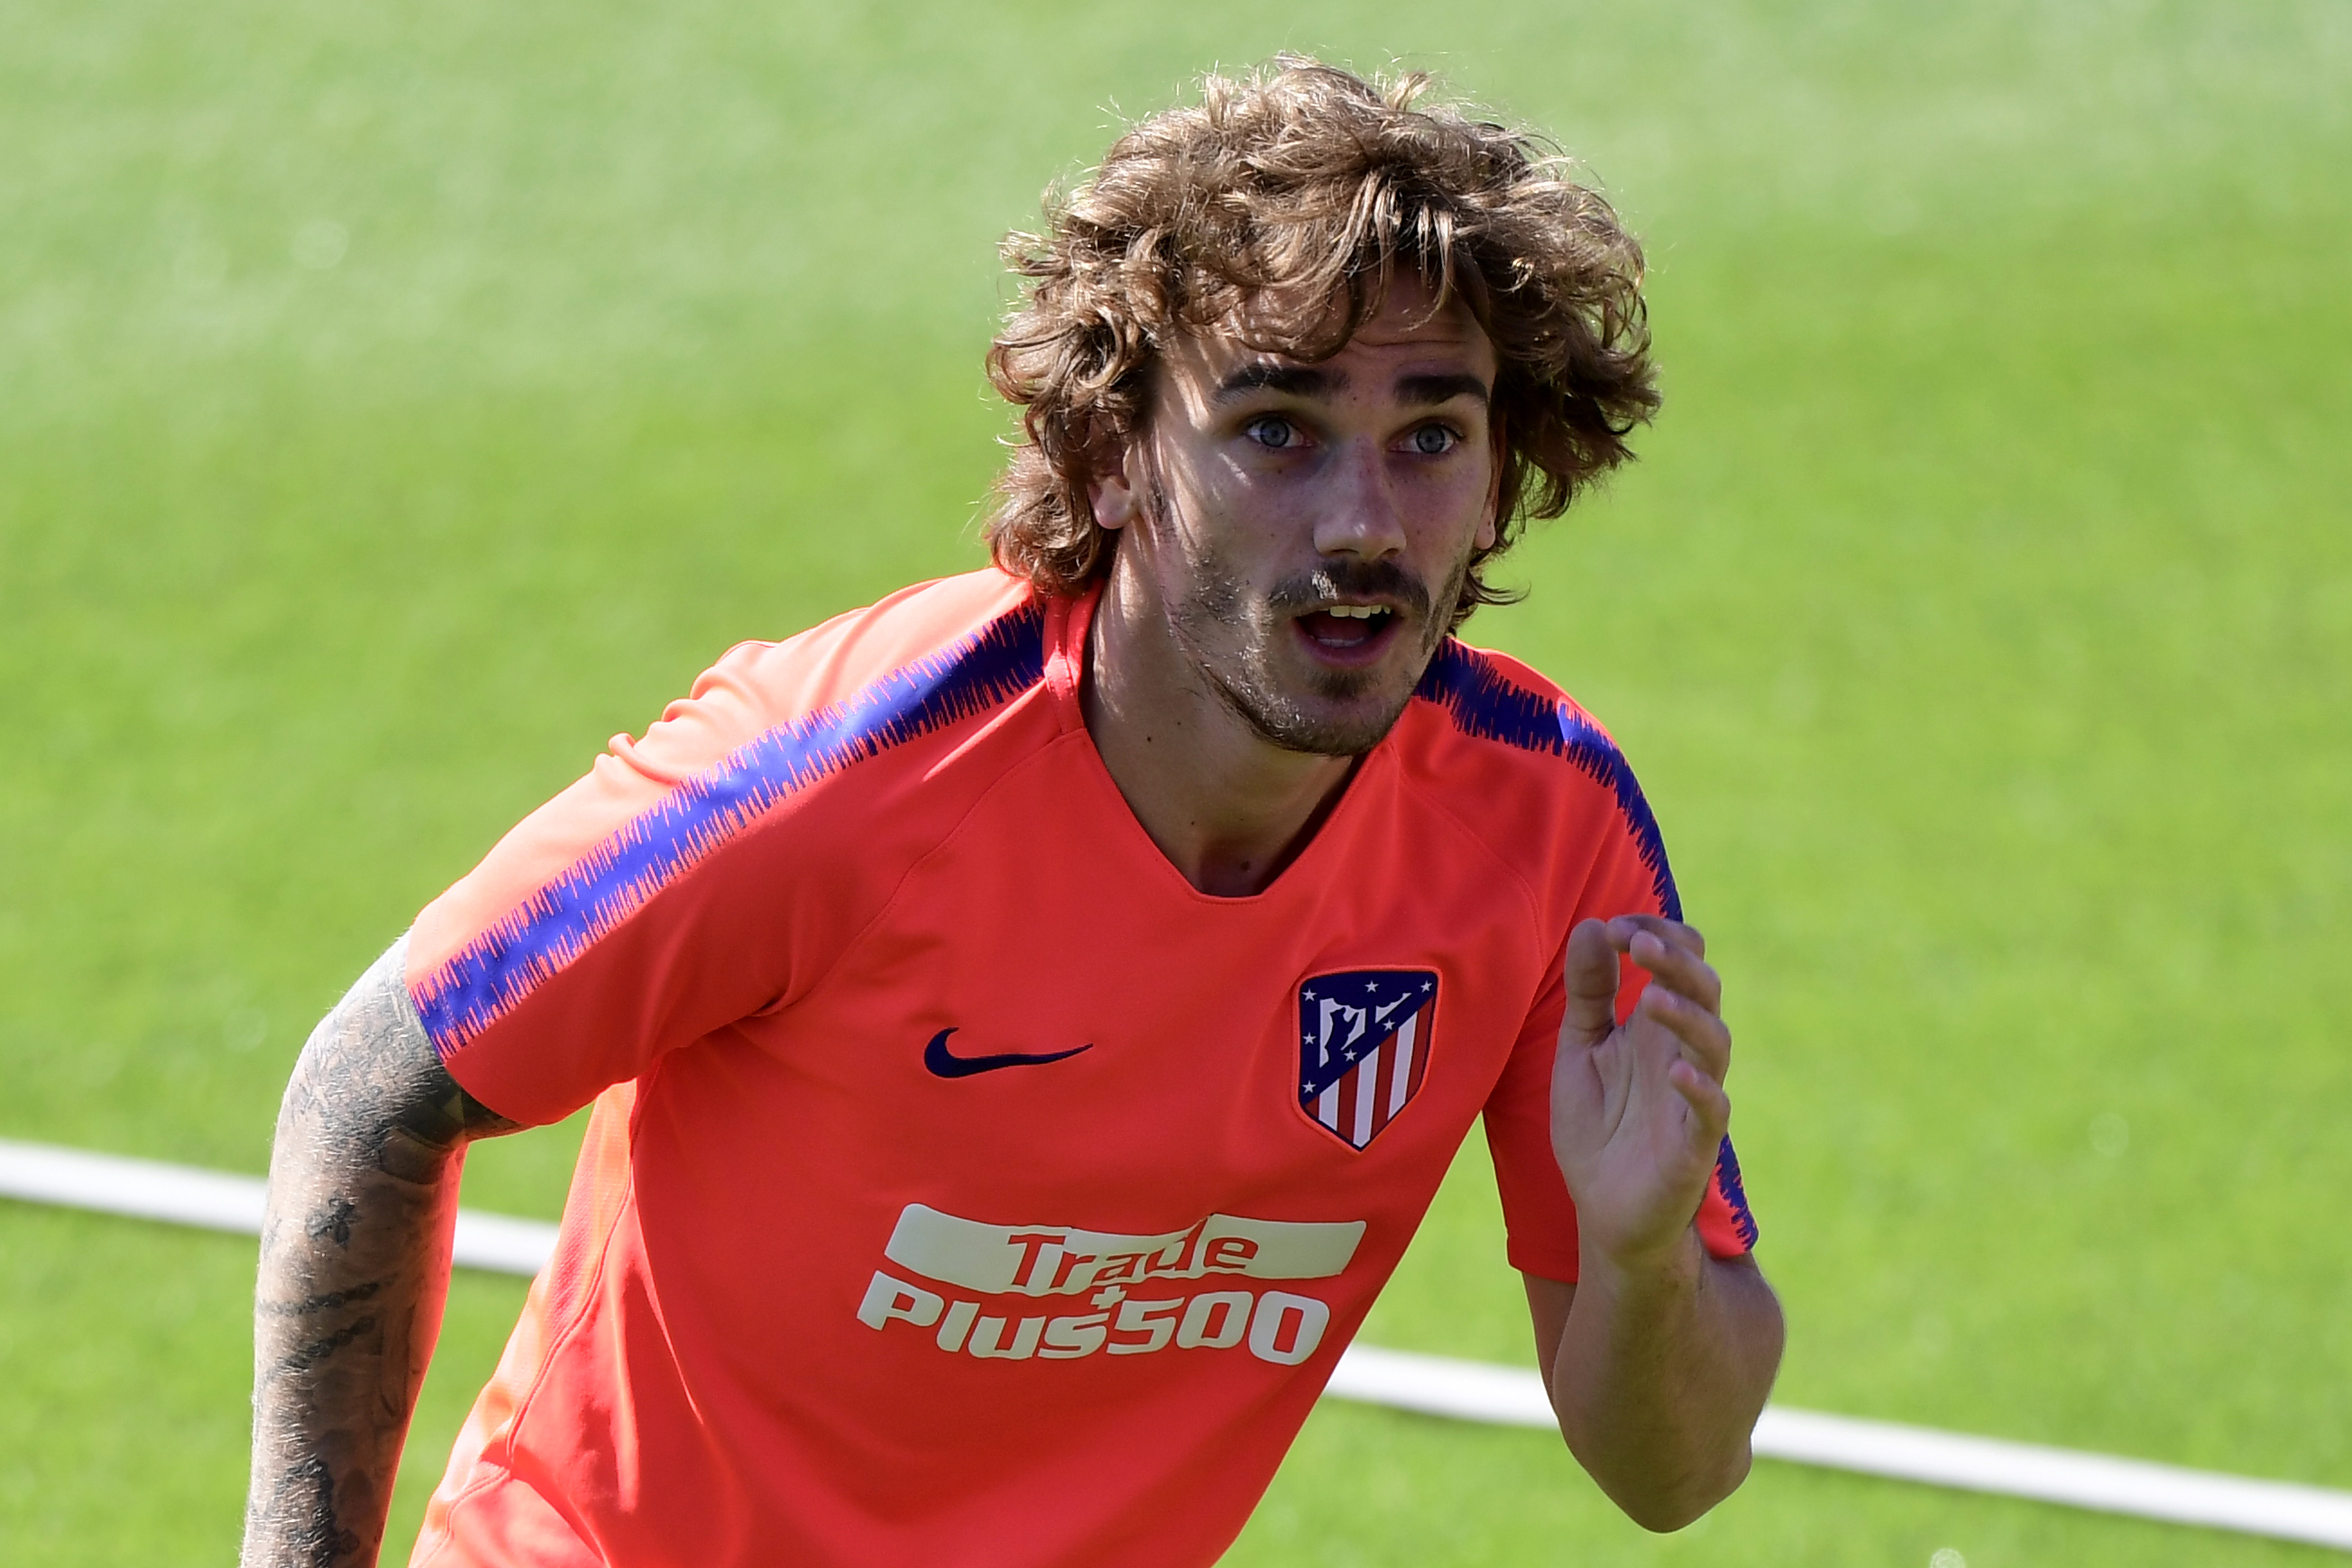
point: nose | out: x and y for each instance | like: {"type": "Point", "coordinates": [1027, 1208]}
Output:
{"type": "Point", "coordinates": [1361, 516]}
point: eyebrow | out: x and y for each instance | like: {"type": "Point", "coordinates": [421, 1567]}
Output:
{"type": "Point", "coordinates": [1268, 375]}
{"type": "Point", "coordinates": [1431, 390]}
{"type": "Point", "coordinates": [1313, 381]}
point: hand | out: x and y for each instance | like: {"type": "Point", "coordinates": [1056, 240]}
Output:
{"type": "Point", "coordinates": [1638, 1111]}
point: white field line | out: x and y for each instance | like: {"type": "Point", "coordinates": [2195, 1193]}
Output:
{"type": "Point", "coordinates": [1476, 1391]}
{"type": "Point", "coordinates": [215, 1201]}
{"type": "Point", "coordinates": [1432, 1385]}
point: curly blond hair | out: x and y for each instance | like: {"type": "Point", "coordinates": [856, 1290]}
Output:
{"type": "Point", "coordinates": [1303, 182]}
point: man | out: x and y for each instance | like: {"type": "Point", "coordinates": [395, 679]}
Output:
{"type": "Point", "coordinates": [1027, 1018]}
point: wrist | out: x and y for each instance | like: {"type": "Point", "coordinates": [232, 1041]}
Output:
{"type": "Point", "coordinates": [1671, 1266]}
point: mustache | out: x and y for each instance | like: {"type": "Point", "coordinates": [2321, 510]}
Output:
{"type": "Point", "coordinates": [1350, 579]}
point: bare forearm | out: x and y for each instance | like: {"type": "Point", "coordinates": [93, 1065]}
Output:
{"type": "Point", "coordinates": [1660, 1373]}
{"type": "Point", "coordinates": [354, 1266]}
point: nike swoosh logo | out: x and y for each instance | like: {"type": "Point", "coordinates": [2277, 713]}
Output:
{"type": "Point", "coordinates": [937, 1057]}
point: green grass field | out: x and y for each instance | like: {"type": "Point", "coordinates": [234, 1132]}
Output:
{"type": "Point", "coordinates": [1980, 618]}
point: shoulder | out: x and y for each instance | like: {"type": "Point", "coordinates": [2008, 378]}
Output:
{"type": "Point", "coordinates": [757, 742]}
{"type": "Point", "coordinates": [966, 638]}
{"type": "Point", "coordinates": [790, 713]}
{"type": "Point", "coordinates": [1525, 767]}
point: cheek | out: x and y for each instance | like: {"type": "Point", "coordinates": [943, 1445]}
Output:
{"type": "Point", "coordinates": [1241, 525]}
{"type": "Point", "coordinates": [1239, 497]}
{"type": "Point", "coordinates": [1208, 553]}
{"type": "Point", "coordinates": [1454, 512]}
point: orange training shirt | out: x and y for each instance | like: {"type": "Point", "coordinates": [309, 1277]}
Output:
{"type": "Point", "coordinates": [964, 1187]}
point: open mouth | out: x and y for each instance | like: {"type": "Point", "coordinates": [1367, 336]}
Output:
{"type": "Point", "coordinates": [1348, 628]}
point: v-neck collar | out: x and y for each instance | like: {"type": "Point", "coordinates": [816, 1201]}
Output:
{"type": "Point", "coordinates": [1067, 621]}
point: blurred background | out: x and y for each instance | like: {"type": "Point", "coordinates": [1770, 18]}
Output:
{"type": "Point", "coordinates": [396, 402]}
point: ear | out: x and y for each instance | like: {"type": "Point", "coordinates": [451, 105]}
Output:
{"type": "Point", "coordinates": [1490, 521]}
{"type": "Point", "coordinates": [1113, 493]}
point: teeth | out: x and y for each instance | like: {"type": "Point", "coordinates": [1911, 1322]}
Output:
{"type": "Point", "coordinates": [1355, 611]}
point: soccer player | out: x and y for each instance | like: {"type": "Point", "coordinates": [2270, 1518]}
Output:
{"type": "Point", "coordinates": [1026, 1018]}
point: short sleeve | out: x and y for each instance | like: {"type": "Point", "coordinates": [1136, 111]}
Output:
{"type": "Point", "coordinates": [624, 918]}
{"type": "Point", "coordinates": [1538, 1215]}
{"type": "Point", "coordinates": [714, 868]}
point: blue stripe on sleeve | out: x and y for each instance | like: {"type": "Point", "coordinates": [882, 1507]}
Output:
{"type": "Point", "coordinates": [1727, 1181]}
{"type": "Point", "coordinates": [557, 924]}
{"type": "Point", "coordinates": [1486, 703]}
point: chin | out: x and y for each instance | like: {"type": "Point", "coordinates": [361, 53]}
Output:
{"type": "Point", "coordinates": [1332, 722]}
{"type": "Point", "coordinates": [1313, 707]}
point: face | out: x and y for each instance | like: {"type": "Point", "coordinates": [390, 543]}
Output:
{"type": "Point", "coordinates": [1305, 528]}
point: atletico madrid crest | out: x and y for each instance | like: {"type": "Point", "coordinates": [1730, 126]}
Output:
{"type": "Point", "coordinates": [1363, 1045]}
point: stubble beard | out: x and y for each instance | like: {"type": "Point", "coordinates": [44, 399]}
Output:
{"type": "Point", "coordinates": [1244, 680]}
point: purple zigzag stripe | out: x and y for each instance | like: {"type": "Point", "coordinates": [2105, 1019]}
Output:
{"type": "Point", "coordinates": [1486, 705]}
{"type": "Point", "coordinates": [557, 924]}
{"type": "Point", "coordinates": [1727, 1178]}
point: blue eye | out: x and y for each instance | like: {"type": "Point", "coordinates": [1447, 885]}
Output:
{"type": "Point", "coordinates": [1270, 430]}
{"type": "Point", "coordinates": [1433, 441]}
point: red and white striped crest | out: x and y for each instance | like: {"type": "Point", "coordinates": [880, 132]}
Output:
{"type": "Point", "coordinates": [1363, 1046]}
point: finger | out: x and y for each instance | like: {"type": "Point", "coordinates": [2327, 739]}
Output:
{"type": "Point", "coordinates": [1674, 933]}
{"type": "Point", "coordinates": [1591, 974]}
{"type": "Point", "coordinates": [1704, 1043]}
{"type": "Point", "coordinates": [1678, 969]}
{"type": "Point", "coordinates": [1711, 1107]}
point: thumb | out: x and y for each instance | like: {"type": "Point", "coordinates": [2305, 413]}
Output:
{"type": "Point", "coordinates": [1591, 974]}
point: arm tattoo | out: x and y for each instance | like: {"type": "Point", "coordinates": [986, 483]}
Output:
{"type": "Point", "coordinates": [354, 1262]}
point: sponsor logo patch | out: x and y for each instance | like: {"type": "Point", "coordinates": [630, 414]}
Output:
{"type": "Point", "coordinates": [1132, 1283]}
{"type": "Point", "coordinates": [1063, 1260]}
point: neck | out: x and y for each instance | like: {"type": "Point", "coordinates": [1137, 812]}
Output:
{"type": "Point", "coordinates": [1226, 806]}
